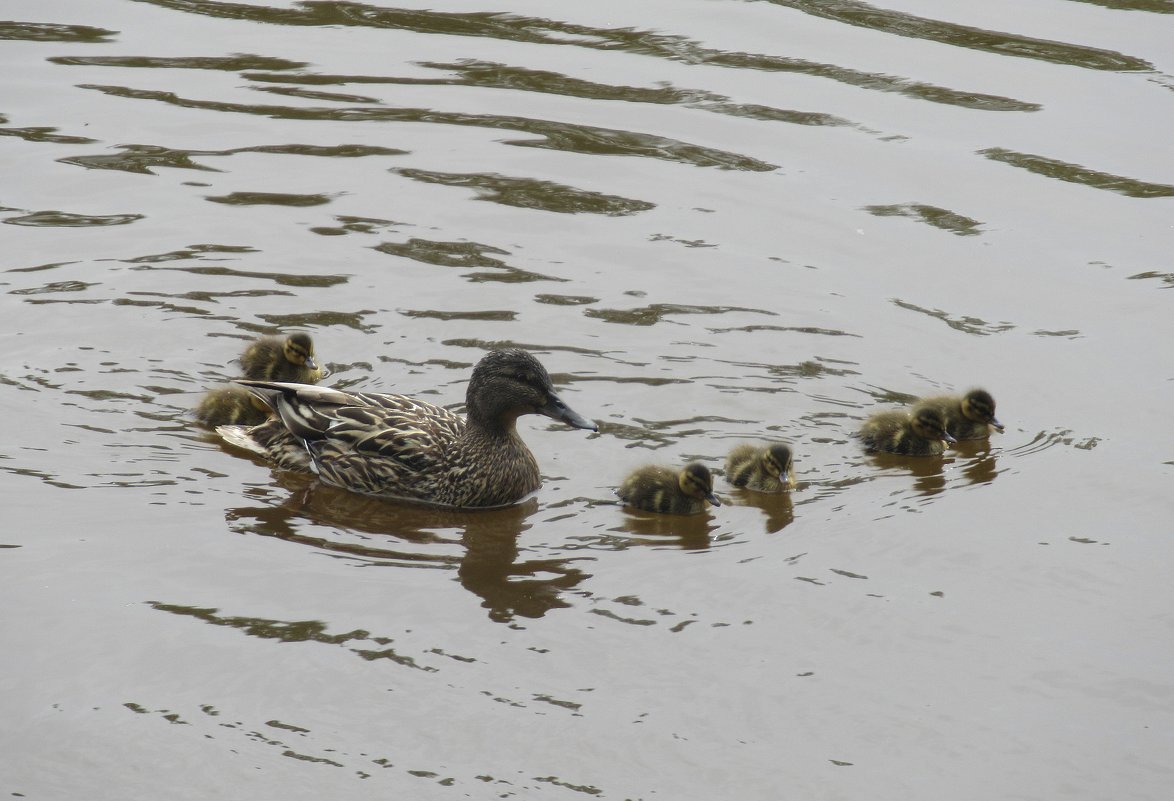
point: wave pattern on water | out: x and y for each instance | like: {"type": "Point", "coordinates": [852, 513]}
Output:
{"type": "Point", "coordinates": [516, 28]}
{"type": "Point", "coordinates": [865, 15]}
{"type": "Point", "coordinates": [584, 139]}
{"type": "Point", "coordinates": [1077, 174]}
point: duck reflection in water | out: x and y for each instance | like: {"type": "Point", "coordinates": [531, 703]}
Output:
{"type": "Point", "coordinates": [688, 532]}
{"type": "Point", "coordinates": [778, 508]}
{"type": "Point", "coordinates": [929, 474]}
{"type": "Point", "coordinates": [481, 545]}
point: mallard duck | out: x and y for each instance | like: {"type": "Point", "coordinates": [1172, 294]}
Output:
{"type": "Point", "coordinates": [919, 432]}
{"type": "Point", "coordinates": [282, 359]}
{"type": "Point", "coordinates": [970, 416]}
{"type": "Point", "coordinates": [398, 447]}
{"type": "Point", "coordinates": [655, 488]}
{"type": "Point", "coordinates": [761, 469]}
{"type": "Point", "coordinates": [231, 405]}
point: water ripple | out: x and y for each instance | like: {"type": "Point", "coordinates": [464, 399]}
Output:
{"type": "Point", "coordinates": [1077, 174]}
{"type": "Point", "coordinates": [584, 139]}
{"type": "Point", "coordinates": [530, 193]}
{"type": "Point", "coordinates": [515, 28]}
{"type": "Point", "coordinates": [852, 12]}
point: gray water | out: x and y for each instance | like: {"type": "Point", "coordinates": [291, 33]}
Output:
{"type": "Point", "coordinates": [713, 222]}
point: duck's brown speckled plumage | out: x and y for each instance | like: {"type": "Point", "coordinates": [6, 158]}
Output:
{"type": "Point", "coordinates": [667, 490]}
{"type": "Point", "coordinates": [398, 447]}
{"type": "Point", "coordinates": [918, 432]}
{"type": "Point", "coordinates": [969, 416]}
{"type": "Point", "coordinates": [288, 358]}
{"type": "Point", "coordinates": [759, 468]}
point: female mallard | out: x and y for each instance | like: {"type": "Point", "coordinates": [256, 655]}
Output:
{"type": "Point", "coordinates": [919, 432]}
{"type": "Point", "coordinates": [655, 488]}
{"type": "Point", "coordinates": [398, 447]}
{"type": "Point", "coordinates": [277, 359]}
{"type": "Point", "coordinates": [968, 417]}
{"type": "Point", "coordinates": [761, 469]}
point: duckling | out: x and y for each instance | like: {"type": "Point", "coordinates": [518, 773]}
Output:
{"type": "Point", "coordinates": [276, 359]}
{"type": "Point", "coordinates": [232, 405]}
{"type": "Point", "coordinates": [761, 469]}
{"type": "Point", "coordinates": [971, 416]}
{"type": "Point", "coordinates": [919, 432]}
{"type": "Point", "coordinates": [398, 447]}
{"type": "Point", "coordinates": [655, 488]}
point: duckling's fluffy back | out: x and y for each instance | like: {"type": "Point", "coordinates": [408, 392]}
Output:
{"type": "Point", "coordinates": [656, 488]}
{"type": "Point", "coordinates": [893, 432]}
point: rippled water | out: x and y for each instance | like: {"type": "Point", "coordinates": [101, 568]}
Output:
{"type": "Point", "coordinates": [714, 222]}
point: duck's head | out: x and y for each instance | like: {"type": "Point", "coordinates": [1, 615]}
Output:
{"type": "Point", "coordinates": [777, 461]}
{"type": "Point", "coordinates": [299, 349]}
{"type": "Point", "coordinates": [979, 407]}
{"type": "Point", "coordinates": [696, 482]}
{"type": "Point", "coordinates": [929, 422]}
{"type": "Point", "coordinates": [507, 384]}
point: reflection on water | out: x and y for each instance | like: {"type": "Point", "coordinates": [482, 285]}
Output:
{"type": "Point", "coordinates": [968, 463]}
{"type": "Point", "coordinates": [482, 546]}
{"type": "Point", "coordinates": [296, 631]}
{"type": "Point", "coordinates": [687, 532]}
{"type": "Point", "coordinates": [507, 27]}
{"type": "Point", "coordinates": [929, 472]}
{"type": "Point", "coordinates": [778, 508]}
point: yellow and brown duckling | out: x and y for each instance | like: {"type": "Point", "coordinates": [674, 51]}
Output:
{"type": "Point", "coordinates": [232, 405]}
{"type": "Point", "coordinates": [655, 488]}
{"type": "Point", "coordinates": [267, 359]}
{"type": "Point", "coordinates": [918, 432]}
{"type": "Point", "coordinates": [282, 359]}
{"type": "Point", "coordinates": [970, 416]}
{"type": "Point", "coordinates": [754, 467]}
{"type": "Point", "coordinates": [398, 447]}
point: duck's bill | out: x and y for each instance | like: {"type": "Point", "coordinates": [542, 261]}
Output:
{"type": "Point", "coordinates": [996, 425]}
{"type": "Point", "coordinates": [949, 440]}
{"type": "Point", "coordinates": [558, 410]}
{"type": "Point", "coordinates": [713, 499]}
{"type": "Point", "coordinates": [313, 365]}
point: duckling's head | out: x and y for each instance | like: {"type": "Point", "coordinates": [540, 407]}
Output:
{"type": "Point", "coordinates": [507, 384]}
{"type": "Point", "coordinates": [929, 423]}
{"type": "Point", "coordinates": [777, 461]}
{"type": "Point", "coordinates": [696, 482]}
{"type": "Point", "coordinates": [299, 349]}
{"type": "Point", "coordinates": [979, 407]}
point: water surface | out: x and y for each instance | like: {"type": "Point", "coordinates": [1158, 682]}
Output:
{"type": "Point", "coordinates": [713, 222]}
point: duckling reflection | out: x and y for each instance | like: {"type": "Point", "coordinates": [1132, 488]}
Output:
{"type": "Point", "coordinates": [480, 545]}
{"type": "Point", "coordinates": [970, 416]}
{"type": "Point", "coordinates": [777, 507]}
{"type": "Point", "coordinates": [929, 474]}
{"type": "Point", "coordinates": [660, 489]}
{"type": "Point", "coordinates": [919, 432]}
{"type": "Point", "coordinates": [687, 532]}
{"type": "Point", "coordinates": [978, 462]}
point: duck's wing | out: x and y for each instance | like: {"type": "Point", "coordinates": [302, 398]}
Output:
{"type": "Point", "coordinates": [374, 443]}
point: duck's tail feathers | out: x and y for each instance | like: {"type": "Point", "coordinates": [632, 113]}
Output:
{"type": "Point", "coordinates": [304, 408]}
{"type": "Point", "coordinates": [239, 436]}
